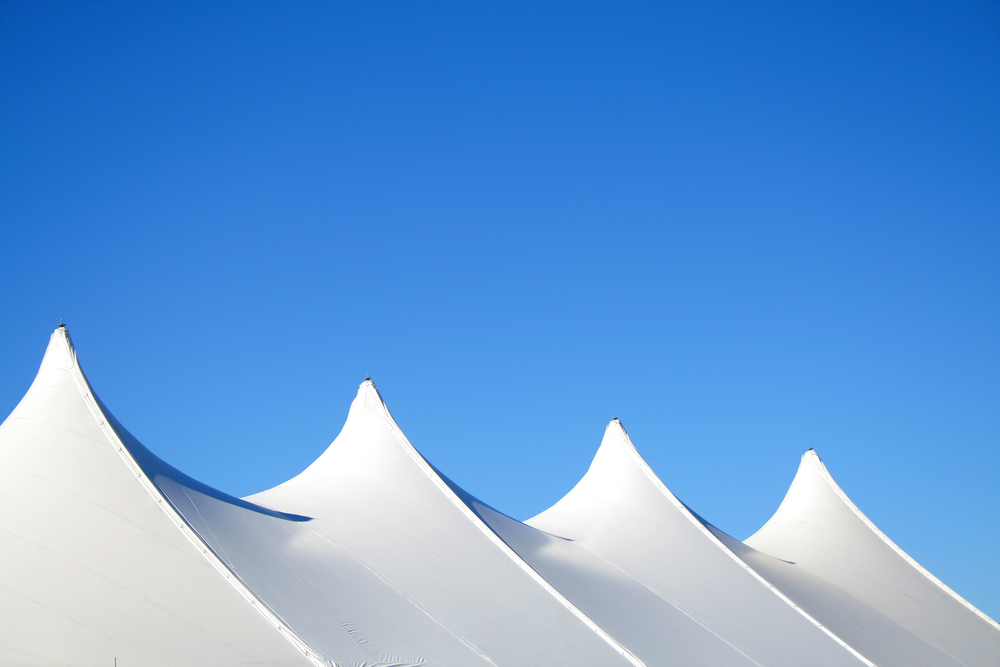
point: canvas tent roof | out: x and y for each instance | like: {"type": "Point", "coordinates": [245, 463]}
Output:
{"type": "Point", "coordinates": [372, 557]}
{"type": "Point", "coordinates": [833, 561]}
{"type": "Point", "coordinates": [93, 566]}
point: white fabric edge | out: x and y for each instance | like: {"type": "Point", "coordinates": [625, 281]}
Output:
{"type": "Point", "coordinates": [86, 392]}
{"type": "Point", "coordinates": [397, 433]}
{"type": "Point", "coordinates": [729, 552]}
{"type": "Point", "coordinates": [885, 538]}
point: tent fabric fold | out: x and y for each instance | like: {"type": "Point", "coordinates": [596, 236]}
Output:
{"type": "Point", "coordinates": [371, 557]}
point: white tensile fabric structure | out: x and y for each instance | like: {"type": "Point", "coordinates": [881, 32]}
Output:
{"type": "Point", "coordinates": [371, 557]}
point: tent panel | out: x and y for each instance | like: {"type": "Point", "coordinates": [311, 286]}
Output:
{"type": "Point", "coordinates": [621, 512]}
{"type": "Point", "coordinates": [375, 498]}
{"type": "Point", "coordinates": [822, 536]}
{"type": "Point", "coordinates": [94, 568]}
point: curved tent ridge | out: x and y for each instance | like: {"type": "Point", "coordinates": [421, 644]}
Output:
{"type": "Point", "coordinates": [623, 442]}
{"type": "Point", "coordinates": [376, 501]}
{"type": "Point", "coordinates": [878, 596]}
{"type": "Point", "coordinates": [811, 458]}
{"type": "Point", "coordinates": [641, 462]}
{"type": "Point", "coordinates": [61, 335]}
{"type": "Point", "coordinates": [373, 404]}
{"type": "Point", "coordinates": [376, 560]}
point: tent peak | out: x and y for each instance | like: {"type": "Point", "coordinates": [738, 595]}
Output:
{"type": "Point", "coordinates": [616, 422]}
{"type": "Point", "coordinates": [370, 397]}
{"type": "Point", "coordinates": [62, 331]}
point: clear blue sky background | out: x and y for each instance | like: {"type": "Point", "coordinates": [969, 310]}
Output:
{"type": "Point", "coordinates": [745, 229]}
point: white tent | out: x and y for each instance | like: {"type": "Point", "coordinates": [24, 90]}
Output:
{"type": "Point", "coordinates": [372, 557]}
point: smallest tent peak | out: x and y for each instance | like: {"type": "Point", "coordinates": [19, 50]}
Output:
{"type": "Point", "coordinates": [615, 422]}
{"type": "Point", "coordinates": [61, 330]}
{"type": "Point", "coordinates": [60, 352]}
{"type": "Point", "coordinates": [811, 458]}
{"type": "Point", "coordinates": [616, 437]}
{"type": "Point", "coordinates": [61, 333]}
{"type": "Point", "coordinates": [369, 399]}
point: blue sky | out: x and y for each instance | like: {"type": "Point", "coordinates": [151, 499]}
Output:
{"type": "Point", "coordinates": [745, 230]}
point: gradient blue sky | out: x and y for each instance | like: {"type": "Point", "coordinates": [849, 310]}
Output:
{"type": "Point", "coordinates": [745, 229]}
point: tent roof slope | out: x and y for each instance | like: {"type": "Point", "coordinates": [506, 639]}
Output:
{"type": "Point", "coordinates": [339, 607]}
{"type": "Point", "coordinates": [376, 564]}
{"type": "Point", "coordinates": [819, 533]}
{"type": "Point", "coordinates": [97, 565]}
{"type": "Point", "coordinates": [372, 558]}
{"type": "Point", "coordinates": [652, 628]}
{"type": "Point", "coordinates": [372, 496]}
{"type": "Point", "coordinates": [621, 512]}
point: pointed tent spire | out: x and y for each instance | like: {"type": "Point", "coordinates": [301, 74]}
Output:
{"type": "Point", "coordinates": [819, 529]}
{"type": "Point", "coordinates": [79, 494]}
{"type": "Point", "coordinates": [372, 465]}
{"type": "Point", "coordinates": [621, 511]}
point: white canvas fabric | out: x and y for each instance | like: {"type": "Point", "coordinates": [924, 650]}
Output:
{"type": "Point", "coordinates": [827, 556]}
{"type": "Point", "coordinates": [92, 567]}
{"type": "Point", "coordinates": [439, 586]}
{"type": "Point", "coordinates": [700, 600]}
{"type": "Point", "coordinates": [372, 558]}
